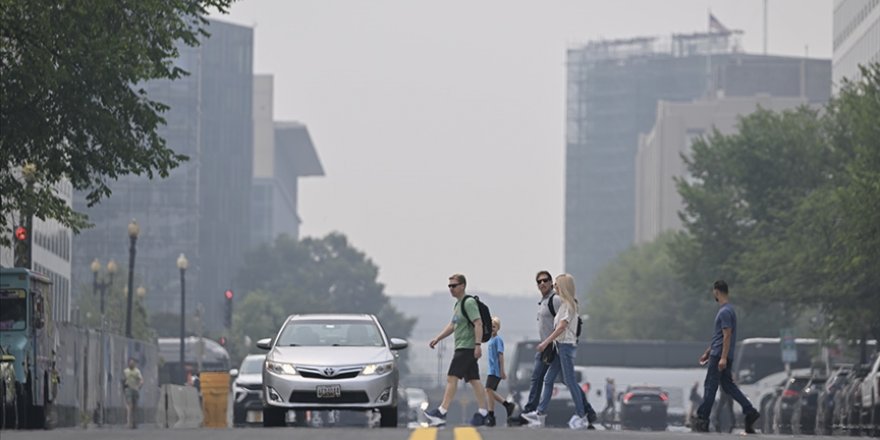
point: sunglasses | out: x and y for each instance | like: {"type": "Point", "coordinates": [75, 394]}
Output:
{"type": "Point", "coordinates": [544, 280]}
{"type": "Point", "coordinates": [453, 286]}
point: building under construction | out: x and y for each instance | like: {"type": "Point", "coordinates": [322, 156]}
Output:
{"type": "Point", "coordinates": [612, 91]}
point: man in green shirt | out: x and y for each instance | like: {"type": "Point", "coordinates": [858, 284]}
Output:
{"type": "Point", "coordinates": [467, 337]}
{"type": "Point", "coordinates": [133, 381]}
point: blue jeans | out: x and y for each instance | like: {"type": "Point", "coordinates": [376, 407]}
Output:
{"type": "Point", "coordinates": [564, 362]}
{"type": "Point", "coordinates": [537, 383]}
{"type": "Point", "coordinates": [713, 378]}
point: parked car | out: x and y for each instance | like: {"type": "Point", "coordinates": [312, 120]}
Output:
{"type": "Point", "coordinates": [784, 407]}
{"type": "Point", "coordinates": [849, 419]}
{"type": "Point", "coordinates": [870, 393]}
{"type": "Point", "coordinates": [330, 362]}
{"type": "Point", "coordinates": [825, 401]}
{"type": "Point", "coordinates": [644, 406]}
{"type": "Point", "coordinates": [247, 407]}
{"type": "Point", "coordinates": [803, 418]}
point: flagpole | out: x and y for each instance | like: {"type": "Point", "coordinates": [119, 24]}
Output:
{"type": "Point", "coordinates": [765, 27]}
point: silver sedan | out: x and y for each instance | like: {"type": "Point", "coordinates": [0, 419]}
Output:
{"type": "Point", "coordinates": [324, 361]}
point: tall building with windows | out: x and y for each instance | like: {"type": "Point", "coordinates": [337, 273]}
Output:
{"type": "Point", "coordinates": [612, 92]}
{"type": "Point", "coordinates": [856, 31]}
{"type": "Point", "coordinates": [50, 254]}
{"type": "Point", "coordinates": [283, 152]}
{"type": "Point", "coordinates": [202, 209]}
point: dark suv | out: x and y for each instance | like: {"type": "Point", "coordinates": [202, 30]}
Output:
{"type": "Point", "coordinates": [785, 403]}
{"type": "Point", "coordinates": [246, 405]}
{"type": "Point", "coordinates": [803, 419]}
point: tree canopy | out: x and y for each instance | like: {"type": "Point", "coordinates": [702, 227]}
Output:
{"type": "Point", "coordinates": [70, 97]}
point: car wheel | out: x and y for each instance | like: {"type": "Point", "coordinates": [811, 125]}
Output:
{"type": "Point", "coordinates": [388, 417]}
{"type": "Point", "coordinates": [273, 417]}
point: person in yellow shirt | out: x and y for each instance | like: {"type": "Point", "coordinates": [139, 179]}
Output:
{"type": "Point", "coordinates": [133, 380]}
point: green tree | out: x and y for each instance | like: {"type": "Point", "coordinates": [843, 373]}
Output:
{"type": "Point", "coordinates": [312, 275]}
{"type": "Point", "coordinates": [638, 296]}
{"type": "Point", "coordinates": [787, 211]}
{"type": "Point", "coordinates": [70, 101]}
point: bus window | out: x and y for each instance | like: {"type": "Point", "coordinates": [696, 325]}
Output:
{"type": "Point", "coordinates": [13, 309]}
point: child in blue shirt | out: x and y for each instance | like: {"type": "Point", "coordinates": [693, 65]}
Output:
{"type": "Point", "coordinates": [495, 355]}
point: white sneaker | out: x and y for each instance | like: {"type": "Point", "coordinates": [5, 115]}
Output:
{"type": "Point", "coordinates": [576, 422]}
{"type": "Point", "coordinates": [535, 420]}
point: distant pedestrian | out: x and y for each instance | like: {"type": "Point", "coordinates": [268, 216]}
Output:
{"type": "Point", "coordinates": [610, 392]}
{"type": "Point", "coordinates": [496, 373]}
{"type": "Point", "coordinates": [545, 319]}
{"type": "Point", "coordinates": [719, 357]}
{"type": "Point", "coordinates": [133, 381]}
{"type": "Point", "coordinates": [563, 340]}
{"type": "Point", "coordinates": [468, 338]}
{"type": "Point", "coordinates": [695, 401]}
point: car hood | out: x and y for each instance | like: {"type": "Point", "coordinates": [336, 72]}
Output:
{"type": "Point", "coordinates": [330, 355]}
{"type": "Point", "coordinates": [249, 379]}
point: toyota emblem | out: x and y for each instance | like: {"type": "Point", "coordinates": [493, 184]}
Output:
{"type": "Point", "coordinates": [329, 371]}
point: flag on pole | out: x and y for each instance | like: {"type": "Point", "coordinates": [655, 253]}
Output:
{"type": "Point", "coordinates": [716, 26]}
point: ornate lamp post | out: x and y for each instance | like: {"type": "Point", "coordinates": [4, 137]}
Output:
{"type": "Point", "coordinates": [102, 286]}
{"type": "Point", "coordinates": [182, 264]}
{"type": "Point", "coordinates": [133, 231]}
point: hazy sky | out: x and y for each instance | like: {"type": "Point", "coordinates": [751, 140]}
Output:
{"type": "Point", "coordinates": [440, 124]}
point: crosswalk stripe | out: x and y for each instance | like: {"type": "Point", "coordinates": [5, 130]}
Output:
{"type": "Point", "coordinates": [424, 434]}
{"type": "Point", "coordinates": [467, 433]}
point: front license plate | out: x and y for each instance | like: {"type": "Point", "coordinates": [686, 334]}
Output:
{"type": "Point", "coordinates": [646, 408]}
{"type": "Point", "coordinates": [329, 391]}
{"type": "Point", "coordinates": [254, 417]}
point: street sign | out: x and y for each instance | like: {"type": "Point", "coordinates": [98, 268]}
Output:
{"type": "Point", "coordinates": [788, 346]}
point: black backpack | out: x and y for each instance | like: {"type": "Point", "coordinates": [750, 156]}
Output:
{"type": "Point", "coordinates": [553, 312]}
{"type": "Point", "coordinates": [485, 316]}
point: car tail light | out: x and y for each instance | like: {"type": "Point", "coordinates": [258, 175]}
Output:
{"type": "Point", "coordinates": [627, 397]}
{"type": "Point", "coordinates": [585, 388]}
{"type": "Point", "coordinates": [789, 393]}
{"type": "Point", "coordinates": [664, 397]}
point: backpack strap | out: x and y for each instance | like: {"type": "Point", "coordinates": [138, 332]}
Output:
{"type": "Point", "coordinates": [464, 311]}
{"type": "Point", "coordinates": [550, 304]}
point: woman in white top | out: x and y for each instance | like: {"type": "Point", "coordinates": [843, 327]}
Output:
{"type": "Point", "coordinates": [565, 337]}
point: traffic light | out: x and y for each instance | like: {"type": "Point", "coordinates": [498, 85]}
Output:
{"type": "Point", "coordinates": [228, 303]}
{"type": "Point", "coordinates": [22, 247]}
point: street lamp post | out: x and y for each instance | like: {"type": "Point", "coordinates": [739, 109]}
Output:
{"type": "Point", "coordinates": [182, 264]}
{"type": "Point", "coordinates": [133, 231]}
{"type": "Point", "coordinates": [102, 286]}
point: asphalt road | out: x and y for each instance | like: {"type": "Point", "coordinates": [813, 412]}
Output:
{"type": "Point", "coordinates": [447, 433]}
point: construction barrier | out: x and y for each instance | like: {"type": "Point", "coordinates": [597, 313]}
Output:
{"type": "Point", "coordinates": [215, 398]}
{"type": "Point", "coordinates": [179, 407]}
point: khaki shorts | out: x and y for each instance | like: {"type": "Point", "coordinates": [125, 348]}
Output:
{"type": "Point", "coordinates": [132, 395]}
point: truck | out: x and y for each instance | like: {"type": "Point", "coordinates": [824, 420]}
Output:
{"type": "Point", "coordinates": [27, 355]}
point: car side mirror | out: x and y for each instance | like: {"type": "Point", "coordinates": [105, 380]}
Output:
{"type": "Point", "coordinates": [265, 343]}
{"type": "Point", "coordinates": [398, 344]}
{"type": "Point", "coordinates": [233, 372]}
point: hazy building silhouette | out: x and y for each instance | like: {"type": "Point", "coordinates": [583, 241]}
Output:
{"type": "Point", "coordinates": [203, 208]}
{"type": "Point", "coordinates": [612, 92]}
{"type": "Point", "coordinates": [658, 159]}
{"type": "Point", "coordinates": [856, 31]}
{"type": "Point", "coordinates": [283, 152]}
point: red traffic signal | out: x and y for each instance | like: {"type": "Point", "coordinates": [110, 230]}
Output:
{"type": "Point", "coordinates": [21, 233]}
{"type": "Point", "coordinates": [228, 294]}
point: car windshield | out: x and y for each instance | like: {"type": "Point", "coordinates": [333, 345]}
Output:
{"type": "Point", "coordinates": [252, 365]}
{"type": "Point", "coordinates": [331, 333]}
{"type": "Point", "coordinates": [13, 310]}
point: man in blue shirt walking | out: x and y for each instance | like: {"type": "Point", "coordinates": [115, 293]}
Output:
{"type": "Point", "coordinates": [719, 357]}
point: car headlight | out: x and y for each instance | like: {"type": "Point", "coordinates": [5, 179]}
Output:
{"type": "Point", "coordinates": [281, 368]}
{"type": "Point", "coordinates": [378, 368]}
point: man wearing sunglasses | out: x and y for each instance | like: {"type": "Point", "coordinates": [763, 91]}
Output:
{"type": "Point", "coordinates": [545, 327]}
{"type": "Point", "coordinates": [468, 338]}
